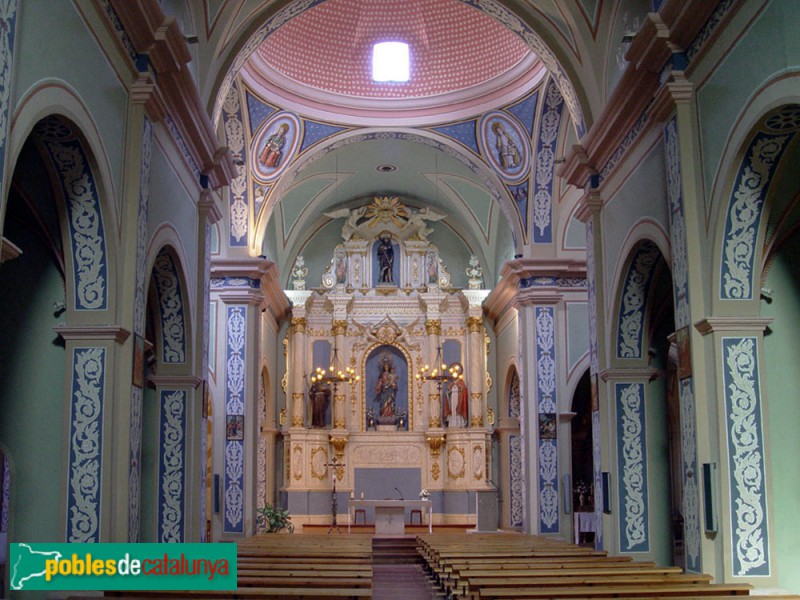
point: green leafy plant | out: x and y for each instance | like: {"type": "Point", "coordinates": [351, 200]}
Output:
{"type": "Point", "coordinates": [272, 519]}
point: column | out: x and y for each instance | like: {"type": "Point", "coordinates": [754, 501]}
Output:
{"type": "Point", "coordinates": [476, 356]}
{"type": "Point", "coordinates": [177, 410]}
{"type": "Point", "coordinates": [238, 285]}
{"type": "Point", "coordinates": [297, 358]}
{"type": "Point", "coordinates": [93, 353]}
{"type": "Point", "coordinates": [590, 214]}
{"type": "Point", "coordinates": [539, 319]}
{"type": "Point", "coordinates": [742, 469]}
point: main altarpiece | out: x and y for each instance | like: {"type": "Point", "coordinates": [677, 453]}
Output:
{"type": "Point", "coordinates": [386, 372]}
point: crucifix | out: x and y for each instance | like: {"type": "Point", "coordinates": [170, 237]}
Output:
{"type": "Point", "coordinates": [334, 465]}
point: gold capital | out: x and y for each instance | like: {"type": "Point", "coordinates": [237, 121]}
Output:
{"type": "Point", "coordinates": [298, 325]}
{"type": "Point", "coordinates": [339, 327]}
{"type": "Point", "coordinates": [474, 324]}
{"type": "Point", "coordinates": [433, 327]}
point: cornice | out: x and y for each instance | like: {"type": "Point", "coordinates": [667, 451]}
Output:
{"type": "Point", "coordinates": [662, 35]}
{"type": "Point", "coordinates": [164, 381]}
{"type": "Point", "coordinates": [92, 332]}
{"type": "Point", "coordinates": [636, 373]}
{"type": "Point", "coordinates": [159, 37]}
{"type": "Point", "coordinates": [732, 324]}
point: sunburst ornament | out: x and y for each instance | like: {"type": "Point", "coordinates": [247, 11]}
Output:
{"type": "Point", "coordinates": [384, 209]}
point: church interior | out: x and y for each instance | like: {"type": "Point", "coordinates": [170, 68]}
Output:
{"type": "Point", "coordinates": [540, 280]}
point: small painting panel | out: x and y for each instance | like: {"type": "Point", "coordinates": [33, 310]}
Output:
{"type": "Point", "coordinates": [234, 429]}
{"type": "Point", "coordinates": [684, 353]}
{"type": "Point", "coordinates": [274, 145]}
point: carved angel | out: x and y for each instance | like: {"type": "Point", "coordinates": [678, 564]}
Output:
{"type": "Point", "coordinates": [416, 222]}
{"type": "Point", "coordinates": [365, 331]}
{"type": "Point", "coordinates": [353, 215]}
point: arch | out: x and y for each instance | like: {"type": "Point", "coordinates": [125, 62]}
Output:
{"type": "Point", "coordinates": [165, 265]}
{"type": "Point", "coordinates": [644, 251]}
{"type": "Point", "coordinates": [439, 143]}
{"type": "Point", "coordinates": [740, 227]}
{"type": "Point", "coordinates": [54, 115]}
{"type": "Point", "coordinates": [367, 393]}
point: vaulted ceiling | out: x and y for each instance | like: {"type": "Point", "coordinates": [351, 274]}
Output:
{"type": "Point", "coordinates": [421, 141]}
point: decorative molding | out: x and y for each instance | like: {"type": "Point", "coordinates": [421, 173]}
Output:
{"type": "Point", "coordinates": [92, 332]}
{"type": "Point", "coordinates": [456, 462]}
{"type": "Point", "coordinates": [598, 481]}
{"type": "Point", "coordinates": [172, 466]}
{"type": "Point", "coordinates": [433, 327]}
{"type": "Point", "coordinates": [220, 283]}
{"type": "Point", "coordinates": [637, 374]}
{"type": "Point", "coordinates": [747, 479]}
{"type": "Point", "coordinates": [732, 324]}
{"type": "Point", "coordinates": [84, 476]}
{"type": "Point", "coordinates": [632, 467]}
{"type": "Point", "coordinates": [145, 30]}
{"type": "Point", "coordinates": [188, 381]}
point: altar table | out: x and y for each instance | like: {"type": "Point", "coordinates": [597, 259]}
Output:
{"type": "Point", "coordinates": [390, 515]}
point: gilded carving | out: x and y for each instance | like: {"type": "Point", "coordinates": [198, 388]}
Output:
{"type": "Point", "coordinates": [319, 456]}
{"type": "Point", "coordinates": [474, 324]}
{"type": "Point", "coordinates": [433, 327]}
{"type": "Point", "coordinates": [456, 463]}
{"type": "Point", "coordinates": [435, 442]}
{"type": "Point", "coordinates": [387, 455]}
{"type": "Point", "coordinates": [477, 461]}
{"type": "Point", "coordinates": [297, 420]}
{"type": "Point", "coordinates": [297, 461]}
{"type": "Point", "coordinates": [298, 325]}
{"type": "Point", "coordinates": [435, 470]}
{"type": "Point", "coordinates": [476, 421]}
{"type": "Point", "coordinates": [434, 422]}
{"type": "Point", "coordinates": [339, 327]}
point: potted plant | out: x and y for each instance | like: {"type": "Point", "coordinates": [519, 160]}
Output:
{"type": "Point", "coordinates": [272, 519]}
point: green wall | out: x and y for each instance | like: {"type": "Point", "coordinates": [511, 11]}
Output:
{"type": "Point", "coordinates": [782, 410]}
{"type": "Point", "coordinates": [32, 396]}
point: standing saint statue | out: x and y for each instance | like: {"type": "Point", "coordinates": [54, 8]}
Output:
{"type": "Point", "coordinates": [385, 259]}
{"type": "Point", "coordinates": [319, 394]}
{"type": "Point", "coordinates": [386, 391]}
{"type": "Point", "coordinates": [455, 403]}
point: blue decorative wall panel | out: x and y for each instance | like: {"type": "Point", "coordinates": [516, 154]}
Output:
{"type": "Point", "coordinates": [547, 138]}
{"type": "Point", "coordinates": [172, 466]}
{"type": "Point", "coordinates": [547, 408]}
{"type": "Point", "coordinates": [632, 467]}
{"type": "Point", "coordinates": [235, 355]}
{"type": "Point", "coordinates": [171, 309]}
{"type": "Point", "coordinates": [747, 478]}
{"type": "Point", "coordinates": [630, 336]}
{"type": "Point", "coordinates": [517, 478]}
{"type": "Point", "coordinates": [744, 215]}
{"type": "Point", "coordinates": [84, 475]}
{"type": "Point", "coordinates": [84, 214]}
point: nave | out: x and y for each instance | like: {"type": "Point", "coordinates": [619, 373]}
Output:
{"type": "Point", "coordinates": [450, 564]}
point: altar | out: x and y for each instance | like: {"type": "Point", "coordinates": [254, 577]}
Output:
{"type": "Point", "coordinates": [390, 515]}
